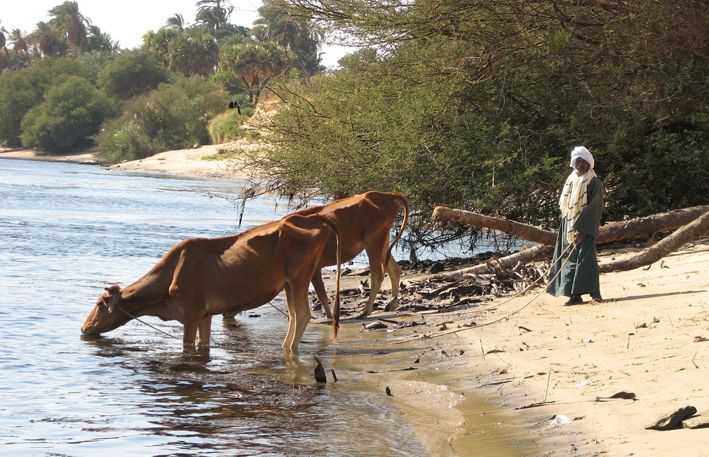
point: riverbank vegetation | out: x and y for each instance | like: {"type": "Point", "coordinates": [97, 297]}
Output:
{"type": "Point", "coordinates": [472, 105]}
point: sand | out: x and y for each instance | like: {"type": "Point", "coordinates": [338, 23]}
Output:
{"type": "Point", "coordinates": [650, 337]}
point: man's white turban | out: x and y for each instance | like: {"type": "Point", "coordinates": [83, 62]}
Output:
{"type": "Point", "coordinates": [581, 152]}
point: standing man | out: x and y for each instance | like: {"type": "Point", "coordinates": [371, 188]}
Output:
{"type": "Point", "coordinates": [581, 204]}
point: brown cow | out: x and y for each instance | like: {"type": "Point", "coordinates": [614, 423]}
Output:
{"type": "Point", "coordinates": [200, 277]}
{"type": "Point", "coordinates": [365, 221]}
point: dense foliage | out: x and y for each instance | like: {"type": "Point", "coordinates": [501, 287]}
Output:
{"type": "Point", "coordinates": [477, 104]}
{"type": "Point", "coordinates": [21, 90]}
{"type": "Point", "coordinates": [131, 73]}
{"type": "Point", "coordinates": [72, 111]}
{"type": "Point", "coordinates": [174, 116]}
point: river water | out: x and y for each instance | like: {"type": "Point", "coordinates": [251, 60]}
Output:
{"type": "Point", "coordinates": [69, 230]}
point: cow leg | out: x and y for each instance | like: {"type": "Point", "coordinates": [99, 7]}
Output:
{"type": "Point", "coordinates": [394, 271]}
{"type": "Point", "coordinates": [190, 333]}
{"type": "Point", "coordinates": [288, 341]}
{"type": "Point", "coordinates": [376, 272]}
{"type": "Point", "coordinates": [301, 316]}
{"type": "Point", "coordinates": [205, 329]}
{"type": "Point", "coordinates": [320, 291]}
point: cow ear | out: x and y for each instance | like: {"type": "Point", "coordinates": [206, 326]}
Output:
{"type": "Point", "coordinates": [112, 297]}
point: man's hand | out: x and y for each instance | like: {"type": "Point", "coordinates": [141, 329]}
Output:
{"type": "Point", "coordinates": [579, 240]}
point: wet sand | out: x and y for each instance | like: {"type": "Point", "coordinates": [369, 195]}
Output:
{"type": "Point", "coordinates": [650, 337]}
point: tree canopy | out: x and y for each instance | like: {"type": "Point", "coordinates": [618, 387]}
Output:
{"type": "Point", "coordinates": [477, 104]}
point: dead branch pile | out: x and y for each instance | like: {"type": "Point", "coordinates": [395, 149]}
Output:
{"type": "Point", "coordinates": [439, 293]}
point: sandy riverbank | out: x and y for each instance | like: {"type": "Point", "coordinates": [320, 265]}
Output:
{"type": "Point", "coordinates": [651, 338]}
{"type": "Point", "coordinates": [218, 161]}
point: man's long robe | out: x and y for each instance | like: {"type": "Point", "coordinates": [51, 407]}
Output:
{"type": "Point", "coordinates": [580, 273]}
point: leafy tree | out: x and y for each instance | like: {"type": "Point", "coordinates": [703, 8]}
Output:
{"type": "Point", "coordinates": [132, 73]}
{"type": "Point", "coordinates": [477, 104]}
{"type": "Point", "coordinates": [72, 111]}
{"type": "Point", "coordinates": [191, 51]}
{"type": "Point", "coordinates": [255, 64]}
{"type": "Point", "coordinates": [22, 89]}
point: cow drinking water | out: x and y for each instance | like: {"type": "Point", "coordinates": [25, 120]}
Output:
{"type": "Point", "coordinates": [200, 277]}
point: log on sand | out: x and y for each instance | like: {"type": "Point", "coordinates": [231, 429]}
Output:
{"type": "Point", "coordinates": [686, 234]}
{"type": "Point", "coordinates": [693, 220]}
{"type": "Point", "coordinates": [643, 227]}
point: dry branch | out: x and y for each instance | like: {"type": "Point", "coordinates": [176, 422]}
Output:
{"type": "Point", "coordinates": [524, 256]}
{"type": "Point", "coordinates": [684, 235]}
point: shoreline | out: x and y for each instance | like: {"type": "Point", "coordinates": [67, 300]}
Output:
{"type": "Point", "coordinates": [650, 337]}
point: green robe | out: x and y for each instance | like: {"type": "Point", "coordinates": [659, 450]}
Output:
{"type": "Point", "coordinates": [580, 273]}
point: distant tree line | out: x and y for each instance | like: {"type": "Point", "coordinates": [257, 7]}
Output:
{"type": "Point", "coordinates": [67, 85]}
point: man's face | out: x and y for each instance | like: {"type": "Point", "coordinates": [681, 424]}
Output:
{"type": "Point", "coordinates": [581, 166]}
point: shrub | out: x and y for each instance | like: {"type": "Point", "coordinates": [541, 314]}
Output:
{"type": "Point", "coordinates": [171, 117]}
{"type": "Point", "coordinates": [22, 89]}
{"type": "Point", "coordinates": [227, 125]}
{"type": "Point", "coordinates": [70, 114]}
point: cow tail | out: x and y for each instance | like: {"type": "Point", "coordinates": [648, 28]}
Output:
{"type": "Point", "coordinates": [405, 204]}
{"type": "Point", "coordinates": [338, 259]}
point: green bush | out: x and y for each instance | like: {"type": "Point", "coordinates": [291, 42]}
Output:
{"type": "Point", "coordinates": [70, 114]}
{"type": "Point", "coordinates": [132, 73]}
{"type": "Point", "coordinates": [171, 117]}
{"type": "Point", "coordinates": [22, 89]}
{"type": "Point", "coordinates": [227, 125]}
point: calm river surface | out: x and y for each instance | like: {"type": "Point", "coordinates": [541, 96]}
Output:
{"type": "Point", "coordinates": [69, 230]}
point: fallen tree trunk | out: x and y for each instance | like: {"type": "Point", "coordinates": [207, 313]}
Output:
{"type": "Point", "coordinates": [517, 229]}
{"type": "Point", "coordinates": [643, 227]}
{"type": "Point", "coordinates": [524, 256]}
{"type": "Point", "coordinates": [684, 235]}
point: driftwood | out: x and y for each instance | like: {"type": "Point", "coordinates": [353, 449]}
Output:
{"type": "Point", "coordinates": [688, 233]}
{"type": "Point", "coordinates": [693, 220]}
{"type": "Point", "coordinates": [643, 227]}
{"type": "Point", "coordinates": [524, 256]}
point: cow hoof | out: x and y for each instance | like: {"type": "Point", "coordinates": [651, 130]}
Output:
{"type": "Point", "coordinates": [391, 304]}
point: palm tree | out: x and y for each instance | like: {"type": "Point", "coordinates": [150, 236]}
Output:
{"type": "Point", "coordinates": [295, 34]}
{"type": "Point", "coordinates": [48, 40]}
{"type": "Point", "coordinates": [20, 42]}
{"type": "Point", "coordinates": [3, 42]}
{"type": "Point", "coordinates": [176, 22]}
{"type": "Point", "coordinates": [71, 23]}
{"type": "Point", "coordinates": [99, 41]}
{"type": "Point", "coordinates": [214, 14]}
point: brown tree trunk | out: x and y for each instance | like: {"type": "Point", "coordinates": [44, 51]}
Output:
{"type": "Point", "coordinates": [524, 256]}
{"type": "Point", "coordinates": [684, 235]}
{"type": "Point", "coordinates": [523, 231]}
{"type": "Point", "coordinates": [643, 227]}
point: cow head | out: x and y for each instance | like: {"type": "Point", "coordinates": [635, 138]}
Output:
{"type": "Point", "coordinates": [104, 317]}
